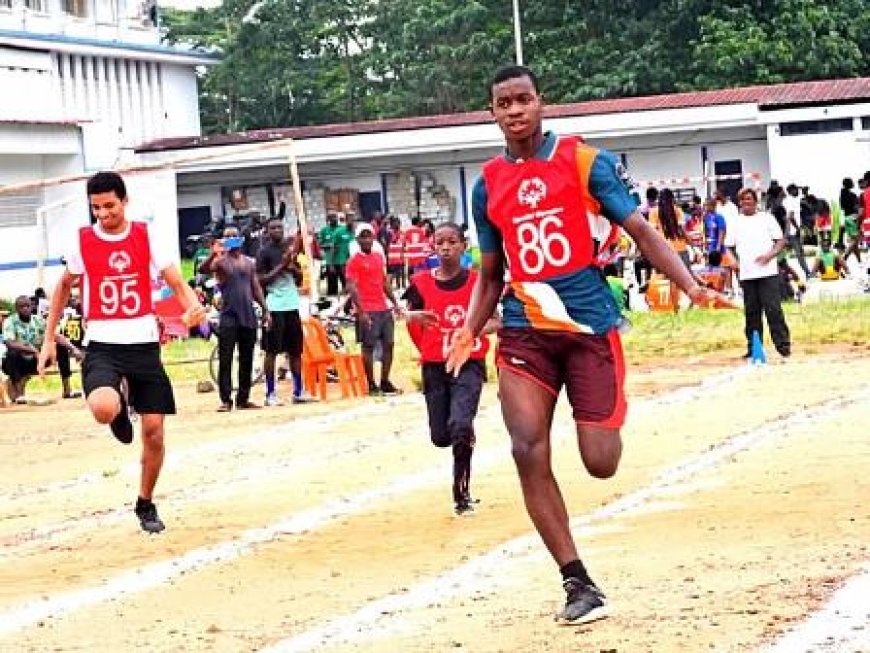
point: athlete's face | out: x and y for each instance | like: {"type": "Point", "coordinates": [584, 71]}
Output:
{"type": "Point", "coordinates": [108, 209]}
{"type": "Point", "coordinates": [448, 245]}
{"type": "Point", "coordinates": [516, 107]}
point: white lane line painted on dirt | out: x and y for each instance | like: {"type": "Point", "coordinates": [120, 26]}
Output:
{"type": "Point", "coordinates": [225, 446]}
{"type": "Point", "coordinates": [23, 542]}
{"type": "Point", "coordinates": [843, 624]}
{"type": "Point", "coordinates": [153, 575]}
{"type": "Point", "coordinates": [465, 580]}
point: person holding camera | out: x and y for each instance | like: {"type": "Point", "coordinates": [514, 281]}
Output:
{"type": "Point", "coordinates": [237, 326]}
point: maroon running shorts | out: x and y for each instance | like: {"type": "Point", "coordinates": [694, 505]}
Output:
{"type": "Point", "coordinates": [591, 367]}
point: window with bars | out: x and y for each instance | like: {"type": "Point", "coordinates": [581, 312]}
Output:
{"type": "Point", "coordinates": [78, 8]}
{"type": "Point", "coordinates": [5, 4]}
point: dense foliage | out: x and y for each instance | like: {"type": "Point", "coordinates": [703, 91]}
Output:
{"type": "Point", "coordinates": [300, 62]}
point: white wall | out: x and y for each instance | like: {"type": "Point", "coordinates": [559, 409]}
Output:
{"type": "Point", "coordinates": [105, 23]}
{"type": "Point", "coordinates": [819, 161]}
{"type": "Point", "coordinates": [180, 100]}
{"type": "Point", "coordinates": [211, 197]}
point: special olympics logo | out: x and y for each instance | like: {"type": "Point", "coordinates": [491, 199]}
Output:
{"type": "Point", "coordinates": [455, 315]}
{"type": "Point", "coordinates": [119, 261]}
{"type": "Point", "coordinates": [532, 191]}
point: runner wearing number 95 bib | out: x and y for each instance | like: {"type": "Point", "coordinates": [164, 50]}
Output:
{"type": "Point", "coordinates": [114, 261]}
{"type": "Point", "coordinates": [546, 213]}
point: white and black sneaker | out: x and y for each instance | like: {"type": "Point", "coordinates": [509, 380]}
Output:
{"type": "Point", "coordinates": [585, 603]}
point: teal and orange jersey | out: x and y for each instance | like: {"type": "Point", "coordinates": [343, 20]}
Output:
{"type": "Point", "coordinates": [552, 215]}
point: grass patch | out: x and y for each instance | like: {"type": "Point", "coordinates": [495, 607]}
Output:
{"type": "Point", "coordinates": [695, 332]}
{"type": "Point", "coordinates": [654, 336]}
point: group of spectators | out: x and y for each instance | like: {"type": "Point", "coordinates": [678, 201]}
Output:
{"type": "Point", "coordinates": [721, 242]}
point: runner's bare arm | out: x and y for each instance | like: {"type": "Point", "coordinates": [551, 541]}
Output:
{"type": "Point", "coordinates": [484, 300]}
{"type": "Point", "coordinates": [59, 299]}
{"type": "Point", "coordinates": [655, 248]}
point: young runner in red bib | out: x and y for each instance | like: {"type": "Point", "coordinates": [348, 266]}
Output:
{"type": "Point", "coordinates": [115, 261]}
{"type": "Point", "coordinates": [544, 211]}
{"type": "Point", "coordinates": [438, 302]}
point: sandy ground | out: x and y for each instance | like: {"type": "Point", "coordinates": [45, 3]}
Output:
{"type": "Point", "coordinates": [739, 508]}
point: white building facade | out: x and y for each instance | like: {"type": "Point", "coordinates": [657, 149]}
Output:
{"type": "Point", "coordinates": [84, 82]}
{"type": "Point", "coordinates": [812, 134]}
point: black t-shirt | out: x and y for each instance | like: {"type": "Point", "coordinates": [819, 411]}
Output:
{"type": "Point", "coordinates": [269, 257]}
{"type": "Point", "coordinates": [415, 299]}
{"type": "Point", "coordinates": [849, 202]}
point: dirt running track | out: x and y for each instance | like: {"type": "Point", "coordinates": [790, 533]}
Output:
{"type": "Point", "coordinates": [740, 507]}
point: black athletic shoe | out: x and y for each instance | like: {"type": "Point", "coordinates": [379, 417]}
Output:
{"type": "Point", "coordinates": [388, 388]}
{"type": "Point", "coordinates": [585, 603]}
{"type": "Point", "coordinates": [122, 427]}
{"type": "Point", "coordinates": [149, 520]}
{"type": "Point", "coordinates": [463, 508]}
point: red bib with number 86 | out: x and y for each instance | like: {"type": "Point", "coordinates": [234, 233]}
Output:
{"type": "Point", "coordinates": [117, 285]}
{"type": "Point", "coordinates": [540, 208]}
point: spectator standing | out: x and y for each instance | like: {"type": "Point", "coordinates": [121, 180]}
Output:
{"type": "Point", "coordinates": [237, 326]}
{"type": "Point", "coordinates": [369, 290]}
{"type": "Point", "coordinates": [280, 276]}
{"type": "Point", "coordinates": [792, 205]}
{"type": "Point", "coordinates": [757, 239]}
{"type": "Point", "coordinates": [334, 240]}
{"type": "Point", "coordinates": [850, 204]}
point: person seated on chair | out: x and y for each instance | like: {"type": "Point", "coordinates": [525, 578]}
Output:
{"type": "Point", "coordinates": [23, 334]}
{"type": "Point", "coordinates": [714, 275]}
{"type": "Point", "coordinates": [829, 265]}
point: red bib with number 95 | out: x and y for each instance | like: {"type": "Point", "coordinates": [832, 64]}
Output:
{"type": "Point", "coordinates": [117, 284]}
{"type": "Point", "coordinates": [539, 206]}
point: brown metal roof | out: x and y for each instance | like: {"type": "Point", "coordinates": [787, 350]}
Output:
{"type": "Point", "coordinates": [766, 97]}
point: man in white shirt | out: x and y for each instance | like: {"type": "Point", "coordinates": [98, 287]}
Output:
{"type": "Point", "coordinates": [756, 238]}
{"type": "Point", "coordinates": [792, 206]}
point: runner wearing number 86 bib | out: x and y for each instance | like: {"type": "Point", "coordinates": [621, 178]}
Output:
{"type": "Point", "coordinates": [546, 211]}
{"type": "Point", "coordinates": [115, 261]}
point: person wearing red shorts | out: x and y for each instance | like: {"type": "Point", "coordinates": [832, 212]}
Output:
{"type": "Point", "coordinates": [114, 261]}
{"type": "Point", "coordinates": [544, 211]}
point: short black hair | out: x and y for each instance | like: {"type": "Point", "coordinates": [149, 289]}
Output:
{"type": "Point", "coordinates": [652, 194]}
{"type": "Point", "coordinates": [107, 182]}
{"type": "Point", "coordinates": [513, 72]}
{"type": "Point", "coordinates": [455, 227]}
{"type": "Point", "coordinates": [714, 259]}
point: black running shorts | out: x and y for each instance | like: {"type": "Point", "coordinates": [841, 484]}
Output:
{"type": "Point", "coordinates": [284, 336]}
{"type": "Point", "coordinates": [149, 387]}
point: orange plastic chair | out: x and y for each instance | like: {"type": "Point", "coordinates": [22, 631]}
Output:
{"type": "Point", "coordinates": [318, 356]}
{"type": "Point", "coordinates": [658, 295]}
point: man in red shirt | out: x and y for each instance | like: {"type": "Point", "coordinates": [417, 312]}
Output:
{"type": "Point", "coordinates": [114, 262]}
{"type": "Point", "coordinates": [369, 288]}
